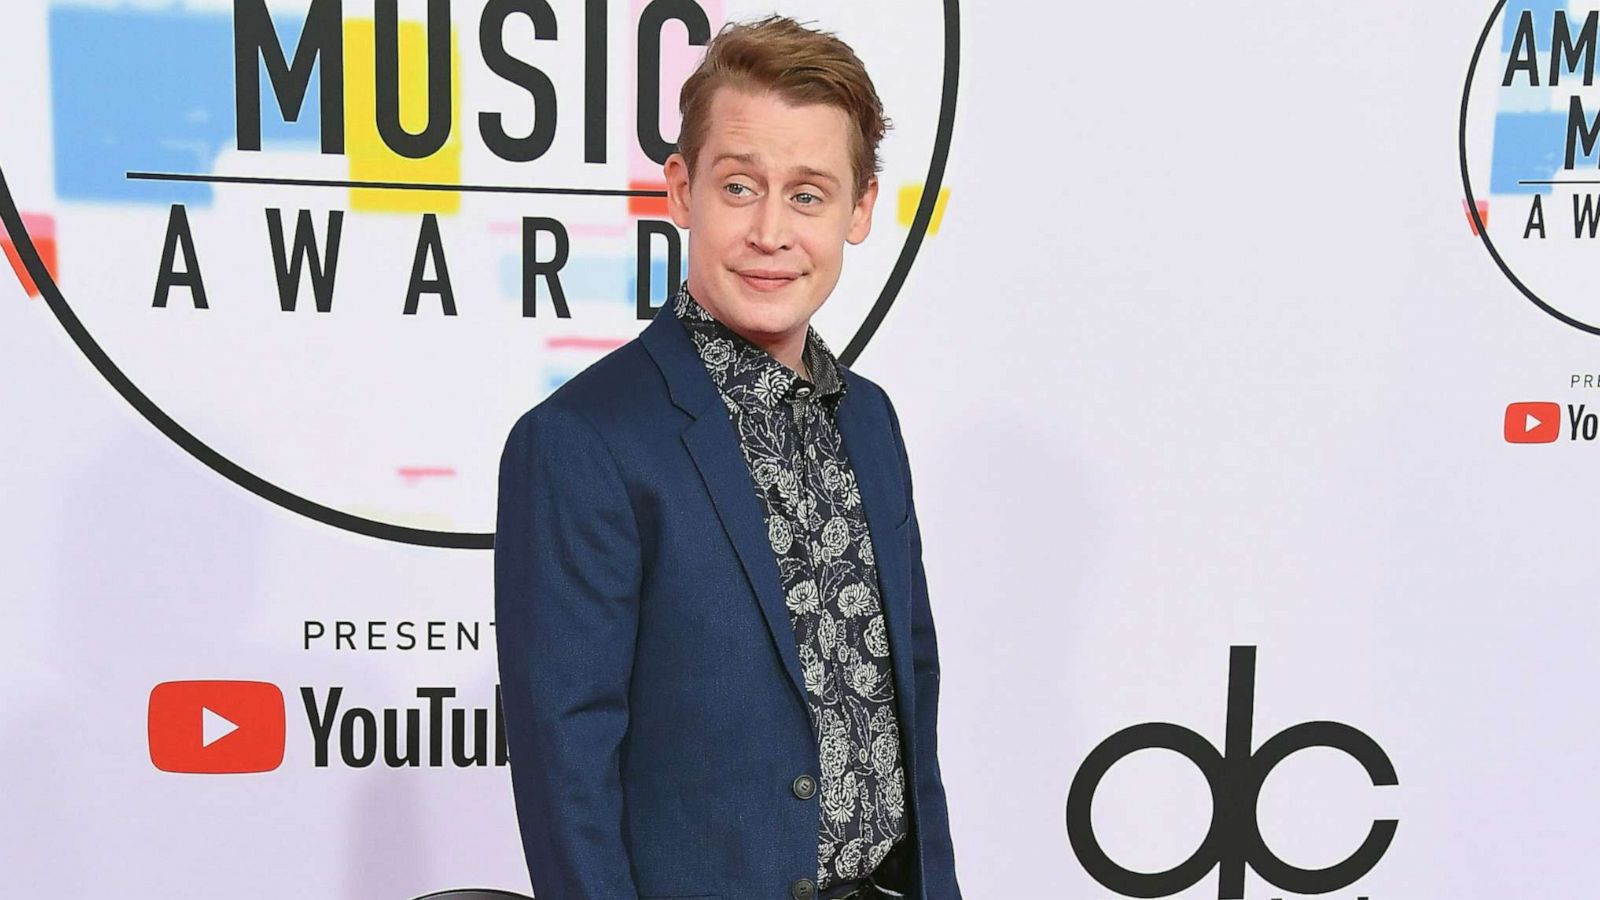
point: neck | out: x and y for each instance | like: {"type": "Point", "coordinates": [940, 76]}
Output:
{"type": "Point", "coordinates": [787, 349]}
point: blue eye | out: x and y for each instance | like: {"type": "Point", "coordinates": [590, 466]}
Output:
{"type": "Point", "coordinates": [809, 194]}
{"type": "Point", "coordinates": [730, 188]}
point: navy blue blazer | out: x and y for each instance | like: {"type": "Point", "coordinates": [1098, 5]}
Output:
{"type": "Point", "coordinates": [653, 700]}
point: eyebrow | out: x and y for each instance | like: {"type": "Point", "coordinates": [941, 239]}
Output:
{"type": "Point", "coordinates": [751, 159]}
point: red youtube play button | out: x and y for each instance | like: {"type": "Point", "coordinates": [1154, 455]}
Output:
{"type": "Point", "coordinates": [214, 727]}
{"type": "Point", "coordinates": [1533, 423]}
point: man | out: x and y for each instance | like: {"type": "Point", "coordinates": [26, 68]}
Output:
{"type": "Point", "coordinates": [718, 662]}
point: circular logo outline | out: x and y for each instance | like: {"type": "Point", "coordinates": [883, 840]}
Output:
{"type": "Point", "coordinates": [11, 219]}
{"type": "Point", "coordinates": [1472, 202]}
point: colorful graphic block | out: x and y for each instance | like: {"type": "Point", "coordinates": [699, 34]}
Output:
{"type": "Point", "coordinates": [121, 101]}
{"type": "Point", "coordinates": [1544, 13]}
{"type": "Point", "coordinates": [911, 198]}
{"type": "Point", "coordinates": [1483, 213]}
{"type": "Point", "coordinates": [370, 158]}
{"type": "Point", "coordinates": [414, 475]}
{"type": "Point", "coordinates": [42, 231]}
{"type": "Point", "coordinates": [1527, 147]}
{"type": "Point", "coordinates": [647, 207]}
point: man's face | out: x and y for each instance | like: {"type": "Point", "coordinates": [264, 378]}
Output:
{"type": "Point", "coordinates": [769, 210]}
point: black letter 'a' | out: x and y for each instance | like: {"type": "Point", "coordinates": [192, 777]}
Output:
{"type": "Point", "coordinates": [1535, 218]}
{"type": "Point", "coordinates": [178, 237]}
{"type": "Point", "coordinates": [323, 264]}
{"type": "Point", "coordinates": [1524, 53]}
{"type": "Point", "coordinates": [429, 245]}
{"type": "Point", "coordinates": [254, 38]}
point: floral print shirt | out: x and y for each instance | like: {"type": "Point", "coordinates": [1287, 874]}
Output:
{"type": "Point", "coordinates": [818, 531]}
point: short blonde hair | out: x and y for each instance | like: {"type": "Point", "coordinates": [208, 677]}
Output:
{"type": "Point", "coordinates": [800, 65]}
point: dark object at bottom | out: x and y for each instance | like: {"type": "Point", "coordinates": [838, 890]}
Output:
{"type": "Point", "coordinates": [892, 879]}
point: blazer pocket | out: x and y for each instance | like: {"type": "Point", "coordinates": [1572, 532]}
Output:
{"type": "Point", "coordinates": [905, 521]}
{"type": "Point", "coordinates": [680, 897]}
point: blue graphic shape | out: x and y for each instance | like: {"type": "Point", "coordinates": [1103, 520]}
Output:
{"type": "Point", "coordinates": [590, 278]}
{"type": "Point", "coordinates": [1544, 17]}
{"type": "Point", "coordinates": [1527, 146]}
{"type": "Point", "coordinates": [152, 91]}
{"type": "Point", "coordinates": [658, 279]}
{"type": "Point", "coordinates": [556, 376]}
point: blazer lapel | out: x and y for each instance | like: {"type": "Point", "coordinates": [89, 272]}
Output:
{"type": "Point", "coordinates": [714, 446]}
{"type": "Point", "coordinates": [868, 438]}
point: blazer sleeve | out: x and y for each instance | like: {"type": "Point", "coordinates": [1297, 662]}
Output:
{"type": "Point", "coordinates": [933, 827]}
{"type": "Point", "coordinates": [567, 574]}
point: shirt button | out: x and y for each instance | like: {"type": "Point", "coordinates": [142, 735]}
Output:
{"type": "Point", "coordinates": [805, 787]}
{"type": "Point", "coordinates": [803, 391]}
{"type": "Point", "coordinates": [803, 890]}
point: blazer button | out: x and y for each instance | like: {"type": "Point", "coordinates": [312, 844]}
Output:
{"type": "Point", "coordinates": [803, 889]}
{"type": "Point", "coordinates": [805, 787]}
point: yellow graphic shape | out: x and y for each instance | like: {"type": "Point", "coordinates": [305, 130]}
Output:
{"type": "Point", "coordinates": [370, 158]}
{"type": "Point", "coordinates": [424, 520]}
{"type": "Point", "coordinates": [911, 197]}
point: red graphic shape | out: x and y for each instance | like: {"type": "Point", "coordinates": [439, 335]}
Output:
{"type": "Point", "coordinates": [575, 342]}
{"type": "Point", "coordinates": [1483, 213]}
{"type": "Point", "coordinates": [647, 207]}
{"type": "Point", "coordinates": [42, 230]}
{"type": "Point", "coordinates": [215, 727]}
{"type": "Point", "coordinates": [414, 474]}
{"type": "Point", "coordinates": [1533, 423]}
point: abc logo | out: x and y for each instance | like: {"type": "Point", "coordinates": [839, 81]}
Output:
{"type": "Point", "coordinates": [1235, 776]}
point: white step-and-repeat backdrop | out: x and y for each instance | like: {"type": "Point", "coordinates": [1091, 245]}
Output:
{"type": "Point", "coordinates": [1246, 354]}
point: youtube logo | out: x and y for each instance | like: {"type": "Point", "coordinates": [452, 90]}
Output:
{"type": "Point", "coordinates": [214, 727]}
{"type": "Point", "coordinates": [1533, 423]}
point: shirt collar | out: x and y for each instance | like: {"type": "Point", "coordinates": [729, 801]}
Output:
{"type": "Point", "coordinates": [747, 372]}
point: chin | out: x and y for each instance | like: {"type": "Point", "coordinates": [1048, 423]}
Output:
{"type": "Point", "coordinates": [767, 321]}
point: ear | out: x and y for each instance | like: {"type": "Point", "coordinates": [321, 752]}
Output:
{"type": "Point", "coordinates": [861, 215]}
{"type": "Point", "coordinates": [676, 171]}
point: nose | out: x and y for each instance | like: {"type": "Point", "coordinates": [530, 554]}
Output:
{"type": "Point", "coordinates": [769, 228]}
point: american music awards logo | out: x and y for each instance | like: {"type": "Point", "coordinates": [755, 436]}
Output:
{"type": "Point", "coordinates": [1530, 152]}
{"type": "Point", "coordinates": [332, 248]}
